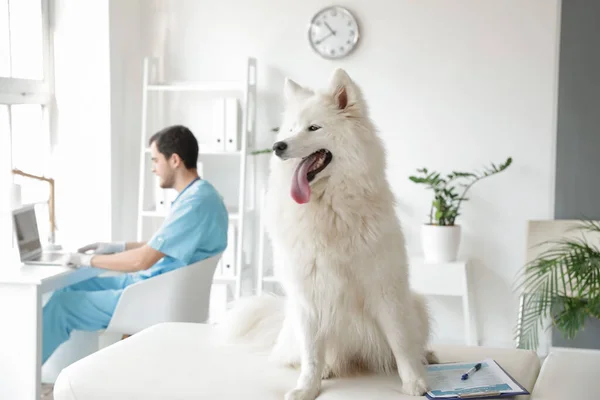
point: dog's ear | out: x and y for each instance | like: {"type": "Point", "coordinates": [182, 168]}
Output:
{"type": "Point", "coordinates": [293, 91]}
{"type": "Point", "coordinates": [343, 89]}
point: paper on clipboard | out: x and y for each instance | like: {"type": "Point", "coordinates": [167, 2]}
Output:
{"type": "Point", "coordinates": [444, 381]}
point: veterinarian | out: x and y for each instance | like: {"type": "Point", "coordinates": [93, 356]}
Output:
{"type": "Point", "coordinates": [194, 229]}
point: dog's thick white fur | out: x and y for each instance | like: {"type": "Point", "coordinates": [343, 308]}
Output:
{"type": "Point", "coordinates": [338, 249]}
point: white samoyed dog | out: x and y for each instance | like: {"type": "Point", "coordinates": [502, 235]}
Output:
{"type": "Point", "coordinates": [338, 248]}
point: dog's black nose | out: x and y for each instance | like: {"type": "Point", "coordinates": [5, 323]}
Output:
{"type": "Point", "coordinates": [279, 148]}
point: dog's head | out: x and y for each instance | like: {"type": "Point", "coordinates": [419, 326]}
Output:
{"type": "Point", "coordinates": [325, 135]}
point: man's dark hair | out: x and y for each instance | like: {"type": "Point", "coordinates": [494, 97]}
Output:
{"type": "Point", "coordinates": [177, 139]}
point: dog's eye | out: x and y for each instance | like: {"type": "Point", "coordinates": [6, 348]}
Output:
{"type": "Point", "coordinates": [313, 128]}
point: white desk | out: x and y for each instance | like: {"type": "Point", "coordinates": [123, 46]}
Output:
{"type": "Point", "coordinates": [21, 324]}
{"type": "Point", "coordinates": [447, 279]}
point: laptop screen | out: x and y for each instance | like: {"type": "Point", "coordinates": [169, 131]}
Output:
{"type": "Point", "coordinates": [28, 237]}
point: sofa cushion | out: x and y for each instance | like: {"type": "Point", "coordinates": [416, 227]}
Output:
{"type": "Point", "coordinates": [569, 374]}
{"type": "Point", "coordinates": [186, 361]}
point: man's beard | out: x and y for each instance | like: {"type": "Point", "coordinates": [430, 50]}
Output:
{"type": "Point", "coordinates": [167, 183]}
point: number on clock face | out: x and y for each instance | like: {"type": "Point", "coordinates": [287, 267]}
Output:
{"type": "Point", "coordinates": [333, 32]}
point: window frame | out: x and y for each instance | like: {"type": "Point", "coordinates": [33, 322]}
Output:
{"type": "Point", "coordinates": [34, 91]}
{"type": "Point", "coordinates": [18, 91]}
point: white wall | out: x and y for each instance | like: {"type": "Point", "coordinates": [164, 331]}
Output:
{"type": "Point", "coordinates": [451, 85]}
{"type": "Point", "coordinates": [82, 157]}
{"type": "Point", "coordinates": [126, 48]}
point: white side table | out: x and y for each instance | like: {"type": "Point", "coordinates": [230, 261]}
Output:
{"type": "Point", "coordinates": [447, 279]}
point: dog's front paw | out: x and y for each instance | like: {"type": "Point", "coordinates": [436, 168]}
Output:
{"type": "Point", "coordinates": [301, 394]}
{"type": "Point", "coordinates": [415, 387]}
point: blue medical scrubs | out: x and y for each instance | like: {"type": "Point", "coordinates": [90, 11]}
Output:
{"type": "Point", "coordinates": [194, 229]}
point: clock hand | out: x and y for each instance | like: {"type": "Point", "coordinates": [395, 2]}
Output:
{"type": "Point", "coordinates": [328, 27]}
{"type": "Point", "coordinates": [323, 38]}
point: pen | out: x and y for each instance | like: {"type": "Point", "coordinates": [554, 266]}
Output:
{"type": "Point", "coordinates": [470, 372]}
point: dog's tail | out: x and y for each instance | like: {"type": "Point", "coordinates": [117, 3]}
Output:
{"type": "Point", "coordinates": [254, 320]}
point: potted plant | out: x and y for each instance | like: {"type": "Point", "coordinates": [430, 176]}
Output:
{"type": "Point", "coordinates": [563, 284]}
{"type": "Point", "coordinates": [440, 237]}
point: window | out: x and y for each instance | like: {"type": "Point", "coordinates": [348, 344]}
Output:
{"type": "Point", "coordinates": [26, 101]}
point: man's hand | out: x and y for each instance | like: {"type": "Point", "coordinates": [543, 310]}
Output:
{"type": "Point", "coordinates": [103, 248]}
{"type": "Point", "coordinates": [76, 260]}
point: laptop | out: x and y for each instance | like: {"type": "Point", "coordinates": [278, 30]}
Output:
{"type": "Point", "coordinates": [28, 238]}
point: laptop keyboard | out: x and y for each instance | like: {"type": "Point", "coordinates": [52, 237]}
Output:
{"type": "Point", "coordinates": [50, 257]}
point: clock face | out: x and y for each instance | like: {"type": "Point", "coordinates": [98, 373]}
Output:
{"type": "Point", "coordinates": [333, 32]}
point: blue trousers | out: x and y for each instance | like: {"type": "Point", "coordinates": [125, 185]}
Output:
{"type": "Point", "coordinates": [87, 306]}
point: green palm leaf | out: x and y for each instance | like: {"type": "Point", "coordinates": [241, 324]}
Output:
{"type": "Point", "coordinates": [563, 284]}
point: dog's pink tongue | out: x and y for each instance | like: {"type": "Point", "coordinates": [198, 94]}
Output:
{"type": "Point", "coordinates": [300, 187]}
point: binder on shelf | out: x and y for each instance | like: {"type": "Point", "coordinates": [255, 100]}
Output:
{"type": "Point", "coordinates": [170, 196]}
{"type": "Point", "coordinates": [219, 271]}
{"type": "Point", "coordinates": [232, 125]}
{"type": "Point", "coordinates": [216, 135]}
{"type": "Point", "coordinates": [200, 169]}
{"type": "Point", "coordinates": [229, 253]}
{"type": "Point", "coordinates": [163, 197]}
{"type": "Point", "coordinates": [159, 200]}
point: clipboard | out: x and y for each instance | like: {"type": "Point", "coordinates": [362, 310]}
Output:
{"type": "Point", "coordinates": [490, 382]}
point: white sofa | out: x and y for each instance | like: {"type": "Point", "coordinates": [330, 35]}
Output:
{"type": "Point", "coordinates": [185, 361]}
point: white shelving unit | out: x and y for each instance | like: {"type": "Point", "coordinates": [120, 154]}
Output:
{"type": "Point", "coordinates": [261, 278]}
{"type": "Point", "coordinates": [148, 213]}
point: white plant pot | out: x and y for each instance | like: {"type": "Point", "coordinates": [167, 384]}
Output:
{"type": "Point", "coordinates": [440, 243]}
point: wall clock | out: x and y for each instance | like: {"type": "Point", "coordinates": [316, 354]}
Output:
{"type": "Point", "coordinates": [333, 32]}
